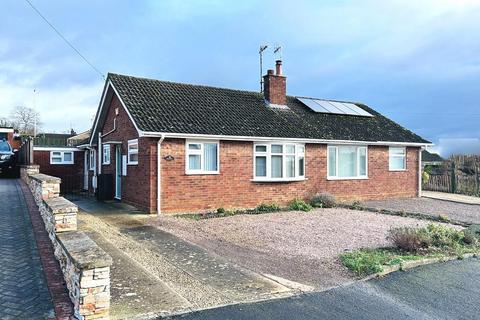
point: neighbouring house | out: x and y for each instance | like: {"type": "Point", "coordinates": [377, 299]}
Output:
{"type": "Point", "coordinates": [171, 147]}
{"type": "Point", "coordinates": [431, 159]}
{"type": "Point", "coordinates": [61, 155]}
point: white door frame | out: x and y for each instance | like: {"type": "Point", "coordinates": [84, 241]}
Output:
{"type": "Point", "coordinates": [118, 172]}
{"type": "Point", "coordinates": [85, 171]}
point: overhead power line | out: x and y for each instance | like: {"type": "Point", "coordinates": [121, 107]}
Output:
{"type": "Point", "coordinates": [66, 40]}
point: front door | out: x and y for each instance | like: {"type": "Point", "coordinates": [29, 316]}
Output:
{"type": "Point", "coordinates": [118, 172]}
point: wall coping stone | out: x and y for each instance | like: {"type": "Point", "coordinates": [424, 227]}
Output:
{"type": "Point", "coordinates": [40, 177]}
{"type": "Point", "coordinates": [83, 251]}
{"type": "Point", "coordinates": [60, 205]}
{"type": "Point", "coordinates": [30, 166]}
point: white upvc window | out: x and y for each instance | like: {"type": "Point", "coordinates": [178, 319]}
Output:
{"type": "Point", "coordinates": [202, 157]}
{"type": "Point", "coordinates": [106, 154]}
{"type": "Point", "coordinates": [277, 161]}
{"type": "Point", "coordinates": [92, 160]}
{"type": "Point", "coordinates": [397, 160]}
{"type": "Point", "coordinates": [347, 162]}
{"type": "Point", "coordinates": [132, 151]}
{"type": "Point", "coordinates": [61, 157]}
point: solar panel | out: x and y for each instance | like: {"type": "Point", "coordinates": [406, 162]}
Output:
{"type": "Point", "coordinates": [313, 105]}
{"type": "Point", "coordinates": [335, 107]}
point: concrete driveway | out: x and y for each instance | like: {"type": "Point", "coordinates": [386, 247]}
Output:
{"type": "Point", "coordinates": [440, 291]}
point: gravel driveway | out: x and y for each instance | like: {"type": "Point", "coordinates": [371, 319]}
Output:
{"type": "Point", "coordinates": [298, 246]}
{"type": "Point", "coordinates": [468, 213]}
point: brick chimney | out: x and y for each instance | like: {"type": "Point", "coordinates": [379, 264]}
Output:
{"type": "Point", "coordinates": [275, 85]}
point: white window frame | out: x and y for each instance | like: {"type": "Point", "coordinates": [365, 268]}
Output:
{"type": "Point", "coordinates": [91, 160]}
{"type": "Point", "coordinates": [201, 154]}
{"type": "Point", "coordinates": [130, 152]}
{"type": "Point", "coordinates": [404, 156]}
{"type": "Point", "coordinates": [358, 176]}
{"type": "Point", "coordinates": [268, 154]}
{"type": "Point", "coordinates": [106, 154]}
{"type": "Point", "coordinates": [61, 156]}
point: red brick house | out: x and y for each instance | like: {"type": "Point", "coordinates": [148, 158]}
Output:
{"type": "Point", "coordinates": [170, 147]}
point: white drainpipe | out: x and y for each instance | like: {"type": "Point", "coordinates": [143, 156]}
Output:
{"type": "Point", "coordinates": [420, 172]}
{"type": "Point", "coordinates": [99, 153]}
{"type": "Point", "coordinates": [159, 176]}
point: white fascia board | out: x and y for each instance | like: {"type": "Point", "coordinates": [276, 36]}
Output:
{"type": "Point", "coordinates": [56, 149]}
{"type": "Point", "coordinates": [248, 138]}
{"type": "Point", "coordinates": [108, 85]}
{"type": "Point", "coordinates": [6, 130]}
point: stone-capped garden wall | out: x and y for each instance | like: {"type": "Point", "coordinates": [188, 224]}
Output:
{"type": "Point", "coordinates": [85, 266]}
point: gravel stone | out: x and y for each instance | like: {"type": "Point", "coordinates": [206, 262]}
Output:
{"type": "Point", "coordinates": [299, 246]}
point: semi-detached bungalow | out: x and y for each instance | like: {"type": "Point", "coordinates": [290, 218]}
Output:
{"type": "Point", "coordinates": [171, 147]}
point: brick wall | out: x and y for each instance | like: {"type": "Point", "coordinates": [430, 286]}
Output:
{"type": "Point", "coordinates": [71, 174]}
{"type": "Point", "coordinates": [233, 188]}
{"type": "Point", "coordinates": [137, 186]}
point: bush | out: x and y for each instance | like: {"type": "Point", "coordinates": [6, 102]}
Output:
{"type": "Point", "coordinates": [323, 200]}
{"type": "Point", "coordinates": [364, 262]}
{"type": "Point", "coordinates": [299, 205]}
{"type": "Point", "coordinates": [409, 239]}
{"type": "Point", "coordinates": [433, 237]}
{"type": "Point", "coordinates": [221, 210]}
{"type": "Point", "coordinates": [272, 207]}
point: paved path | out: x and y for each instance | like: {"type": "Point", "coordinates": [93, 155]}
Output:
{"type": "Point", "coordinates": [23, 290]}
{"type": "Point", "coordinates": [442, 291]}
{"type": "Point", "coordinates": [460, 198]}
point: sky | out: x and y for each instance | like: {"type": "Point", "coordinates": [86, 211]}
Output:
{"type": "Point", "coordinates": [417, 62]}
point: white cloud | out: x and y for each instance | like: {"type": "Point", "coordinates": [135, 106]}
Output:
{"type": "Point", "coordinates": [59, 108]}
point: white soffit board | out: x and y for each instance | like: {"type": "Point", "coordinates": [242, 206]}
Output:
{"type": "Point", "coordinates": [335, 107]}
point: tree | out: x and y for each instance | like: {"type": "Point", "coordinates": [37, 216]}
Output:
{"type": "Point", "coordinates": [26, 120]}
{"type": "Point", "coordinates": [4, 122]}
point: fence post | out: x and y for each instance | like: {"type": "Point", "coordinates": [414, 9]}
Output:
{"type": "Point", "coordinates": [453, 182]}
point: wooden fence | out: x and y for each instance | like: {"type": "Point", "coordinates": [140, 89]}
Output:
{"type": "Point", "coordinates": [461, 174]}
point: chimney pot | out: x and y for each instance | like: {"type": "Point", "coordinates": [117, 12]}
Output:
{"type": "Point", "coordinates": [278, 67]}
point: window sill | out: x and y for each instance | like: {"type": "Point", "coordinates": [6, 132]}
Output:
{"type": "Point", "coordinates": [397, 170]}
{"type": "Point", "coordinates": [278, 180]}
{"type": "Point", "coordinates": [346, 178]}
{"type": "Point", "coordinates": [61, 163]}
{"type": "Point", "coordinates": [105, 163]}
{"type": "Point", "coordinates": [190, 173]}
{"type": "Point", "coordinates": [132, 163]}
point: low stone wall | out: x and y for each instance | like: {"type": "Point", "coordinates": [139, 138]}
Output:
{"type": "Point", "coordinates": [85, 266]}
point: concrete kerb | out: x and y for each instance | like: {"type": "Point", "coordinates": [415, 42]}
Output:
{"type": "Point", "coordinates": [417, 263]}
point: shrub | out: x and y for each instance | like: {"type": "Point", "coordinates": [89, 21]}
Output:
{"type": "Point", "coordinates": [323, 200]}
{"type": "Point", "coordinates": [220, 210]}
{"type": "Point", "coordinates": [272, 207]}
{"type": "Point", "coordinates": [433, 237]}
{"type": "Point", "coordinates": [299, 205]}
{"type": "Point", "coordinates": [364, 262]}
{"type": "Point", "coordinates": [409, 239]}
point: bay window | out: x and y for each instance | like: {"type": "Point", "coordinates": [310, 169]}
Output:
{"type": "Point", "coordinates": [397, 160]}
{"type": "Point", "coordinates": [202, 157]}
{"type": "Point", "coordinates": [279, 161]}
{"type": "Point", "coordinates": [347, 162]}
